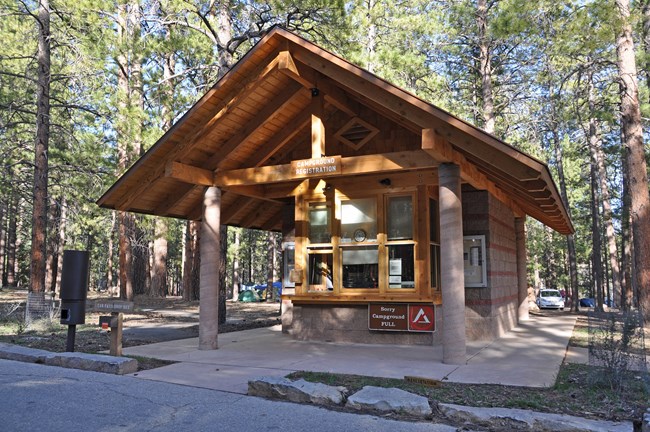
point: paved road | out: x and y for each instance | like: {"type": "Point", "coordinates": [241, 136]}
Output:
{"type": "Point", "coordinates": [36, 397]}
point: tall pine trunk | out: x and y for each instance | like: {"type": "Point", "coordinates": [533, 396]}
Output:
{"type": "Point", "coordinates": [610, 234]}
{"type": "Point", "coordinates": [485, 66]}
{"type": "Point", "coordinates": [159, 278]}
{"type": "Point", "coordinates": [3, 241]}
{"type": "Point", "coordinates": [627, 283]}
{"type": "Point", "coordinates": [40, 195]}
{"type": "Point", "coordinates": [12, 240]}
{"type": "Point", "coordinates": [636, 163]}
{"type": "Point", "coordinates": [597, 268]}
{"type": "Point", "coordinates": [236, 277]}
{"type": "Point", "coordinates": [571, 243]}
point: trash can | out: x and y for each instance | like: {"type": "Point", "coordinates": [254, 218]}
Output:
{"type": "Point", "coordinates": [74, 287]}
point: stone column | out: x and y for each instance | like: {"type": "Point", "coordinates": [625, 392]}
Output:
{"type": "Point", "coordinates": [452, 276]}
{"type": "Point", "coordinates": [522, 280]}
{"type": "Point", "coordinates": [210, 258]}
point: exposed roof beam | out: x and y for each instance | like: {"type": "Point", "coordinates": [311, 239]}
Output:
{"type": "Point", "coordinates": [439, 148]}
{"type": "Point", "coordinates": [355, 165]}
{"type": "Point", "coordinates": [181, 149]}
{"type": "Point", "coordinates": [189, 174]}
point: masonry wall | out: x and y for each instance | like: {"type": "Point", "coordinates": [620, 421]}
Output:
{"type": "Point", "coordinates": [491, 311]}
{"type": "Point", "coordinates": [348, 323]}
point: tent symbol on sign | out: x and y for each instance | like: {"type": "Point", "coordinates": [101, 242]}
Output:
{"type": "Point", "coordinates": [421, 318]}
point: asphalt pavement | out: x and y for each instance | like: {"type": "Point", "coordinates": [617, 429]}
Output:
{"type": "Point", "coordinates": [36, 397]}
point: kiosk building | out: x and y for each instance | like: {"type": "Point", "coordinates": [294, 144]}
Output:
{"type": "Point", "coordinates": [401, 223]}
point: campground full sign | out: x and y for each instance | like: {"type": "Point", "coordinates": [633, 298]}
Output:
{"type": "Point", "coordinates": [401, 317]}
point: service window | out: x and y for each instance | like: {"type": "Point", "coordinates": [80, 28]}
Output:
{"type": "Point", "coordinates": [400, 218]}
{"type": "Point", "coordinates": [319, 223]}
{"type": "Point", "coordinates": [400, 246]}
{"type": "Point", "coordinates": [359, 249]}
{"type": "Point", "coordinates": [401, 269]}
{"type": "Point", "coordinates": [359, 220]}
{"type": "Point", "coordinates": [320, 270]}
{"type": "Point", "coordinates": [360, 267]}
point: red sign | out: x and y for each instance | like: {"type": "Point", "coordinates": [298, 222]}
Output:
{"type": "Point", "coordinates": [421, 318]}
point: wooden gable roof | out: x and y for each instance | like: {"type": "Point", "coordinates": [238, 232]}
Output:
{"type": "Point", "coordinates": [257, 119]}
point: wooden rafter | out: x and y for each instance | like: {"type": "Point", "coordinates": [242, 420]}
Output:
{"type": "Point", "coordinates": [234, 209]}
{"type": "Point", "coordinates": [266, 114]}
{"type": "Point", "coordinates": [174, 199]}
{"type": "Point", "coordinates": [183, 148]}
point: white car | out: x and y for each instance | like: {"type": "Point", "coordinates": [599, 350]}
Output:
{"type": "Point", "coordinates": [551, 299]}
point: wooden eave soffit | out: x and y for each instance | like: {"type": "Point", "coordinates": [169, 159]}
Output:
{"type": "Point", "coordinates": [441, 150]}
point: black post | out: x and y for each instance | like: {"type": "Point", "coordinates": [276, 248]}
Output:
{"type": "Point", "coordinates": [69, 344]}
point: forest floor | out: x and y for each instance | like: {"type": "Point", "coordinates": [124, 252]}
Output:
{"type": "Point", "coordinates": [580, 390]}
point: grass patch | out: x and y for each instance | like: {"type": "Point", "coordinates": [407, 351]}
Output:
{"type": "Point", "coordinates": [574, 393]}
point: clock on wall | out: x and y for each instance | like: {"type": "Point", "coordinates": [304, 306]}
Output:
{"type": "Point", "coordinates": [359, 235]}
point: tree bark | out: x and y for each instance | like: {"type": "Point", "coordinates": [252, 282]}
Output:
{"type": "Point", "coordinates": [627, 282]}
{"type": "Point", "coordinates": [571, 244]}
{"type": "Point", "coordinates": [125, 257]}
{"type": "Point", "coordinates": [610, 234]}
{"type": "Point", "coordinates": [159, 278]}
{"type": "Point", "coordinates": [12, 238]}
{"type": "Point", "coordinates": [3, 242]}
{"type": "Point", "coordinates": [636, 162]}
{"type": "Point", "coordinates": [485, 66]}
{"type": "Point", "coordinates": [40, 194]}
{"type": "Point", "coordinates": [61, 244]}
{"type": "Point", "coordinates": [597, 268]}
{"type": "Point", "coordinates": [223, 270]}
{"type": "Point", "coordinates": [109, 257]}
{"type": "Point", "coordinates": [236, 277]}
{"type": "Point", "coordinates": [187, 262]}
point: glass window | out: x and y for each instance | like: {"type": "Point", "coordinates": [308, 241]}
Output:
{"type": "Point", "coordinates": [401, 266]}
{"type": "Point", "coordinates": [320, 271]}
{"type": "Point", "coordinates": [434, 256]}
{"type": "Point", "coordinates": [359, 220]}
{"type": "Point", "coordinates": [319, 226]}
{"type": "Point", "coordinates": [434, 244]}
{"type": "Point", "coordinates": [360, 267]}
{"type": "Point", "coordinates": [433, 221]}
{"type": "Point", "coordinates": [400, 218]}
{"type": "Point", "coordinates": [474, 260]}
{"type": "Point", "coordinates": [289, 262]}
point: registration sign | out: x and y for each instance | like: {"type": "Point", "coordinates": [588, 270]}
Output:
{"type": "Point", "coordinates": [316, 167]}
{"type": "Point", "coordinates": [401, 317]}
{"type": "Point", "coordinates": [390, 317]}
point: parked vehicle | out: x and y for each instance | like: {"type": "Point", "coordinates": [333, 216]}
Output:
{"type": "Point", "coordinates": [551, 299]}
{"type": "Point", "coordinates": [587, 302]}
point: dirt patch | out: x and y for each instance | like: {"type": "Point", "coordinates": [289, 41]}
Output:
{"type": "Point", "coordinates": [153, 320]}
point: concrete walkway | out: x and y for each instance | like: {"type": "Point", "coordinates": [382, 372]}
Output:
{"type": "Point", "coordinates": [530, 355]}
